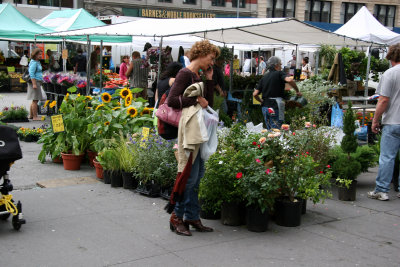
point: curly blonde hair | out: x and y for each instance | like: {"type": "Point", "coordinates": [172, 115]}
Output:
{"type": "Point", "coordinates": [394, 53]}
{"type": "Point", "coordinates": [203, 48]}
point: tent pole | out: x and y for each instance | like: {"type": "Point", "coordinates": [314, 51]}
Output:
{"type": "Point", "coordinates": [258, 65]}
{"type": "Point", "coordinates": [316, 62]}
{"type": "Point", "coordinates": [251, 60]}
{"type": "Point", "coordinates": [366, 80]}
{"type": "Point", "coordinates": [159, 60]}
{"type": "Point", "coordinates": [231, 72]}
{"type": "Point", "coordinates": [88, 67]}
{"type": "Point", "coordinates": [9, 49]}
{"type": "Point", "coordinates": [101, 66]}
{"type": "Point", "coordinates": [297, 57]}
{"type": "Point", "coordinates": [64, 60]}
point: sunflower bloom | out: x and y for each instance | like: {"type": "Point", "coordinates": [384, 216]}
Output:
{"type": "Point", "coordinates": [66, 97]}
{"type": "Point", "coordinates": [116, 108]}
{"type": "Point", "coordinates": [52, 104]}
{"type": "Point", "coordinates": [128, 100]}
{"type": "Point", "coordinates": [132, 112]}
{"type": "Point", "coordinates": [100, 106]}
{"type": "Point", "coordinates": [146, 111]}
{"type": "Point", "coordinates": [45, 104]}
{"type": "Point", "coordinates": [107, 123]}
{"type": "Point", "coordinates": [89, 97]}
{"type": "Point", "coordinates": [106, 97]}
{"type": "Point", "coordinates": [124, 92]}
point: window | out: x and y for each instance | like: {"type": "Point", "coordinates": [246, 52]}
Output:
{"type": "Point", "coordinates": [348, 10]}
{"type": "Point", "coordinates": [280, 8]}
{"type": "Point", "coordinates": [15, 1]}
{"type": "Point", "coordinates": [165, 1]}
{"type": "Point", "coordinates": [32, 2]}
{"type": "Point", "coordinates": [49, 3]}
{"type": "Point", "coordinates": [191, 2]}
{"type": "Point", "coordinates": [218, 2]}
{"type": "Point", "coordinates": [319, 11]}
{"type": "Point", "coordinates": [385, 14]}
{"type": "Point", "coordinates": [242, 3]}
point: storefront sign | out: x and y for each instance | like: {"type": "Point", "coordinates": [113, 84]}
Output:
{"type": "Point", "coordinates": [171, 14]}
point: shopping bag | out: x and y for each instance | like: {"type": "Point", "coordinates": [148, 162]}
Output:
{"type": "Point", "coordinates": [337, 116]}
{"type": "Point", "coordinates": [211, 120]}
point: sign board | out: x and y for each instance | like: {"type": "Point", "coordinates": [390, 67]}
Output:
{"type": "Point", "coordinates": [65, 54]}
{"type": "Point", "coordinates": [58, 123]}
{"type": "Point", "coordinates": [10, 69]}
{"type": "Point", "coordinates": [145, 136]}
{"type": "Point", "coordinates": [255, 101]}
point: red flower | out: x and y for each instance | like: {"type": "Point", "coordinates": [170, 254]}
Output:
{"type": "Point", "coordinates": [321, 172]}
{"type": "Point", "coordinates": [307, 153]}
{"type": "Point", "coordinates": [328, 166]}
{"type": "Point", "coordinates": [268, 171]}
{"type": "Point", "coordinates": [258, 161]}
{"type": "Point", "coordinates": [239, 175]}
{"type": "Point", "coordinates": [259, 146]}
{"type": "Point", "coordinates": [254, 143]}
{"type": "Point", "coordinates": [294, 133]}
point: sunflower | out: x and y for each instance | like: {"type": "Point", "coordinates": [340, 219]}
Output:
{"type": "Point", "coordinates": [128, 100]}
{"type": "Point", "coordinates": [99, 106]}
{"type": "Point", "coordinates": [116, 108]}
{"type": "Point", "coordinates": [52, 104]}
{"type": "Point", "coordinates": [146, 111]}
{"type": "Point", "coordinates": [45, 104]}
{"type": "Point", "coordinates": [66, 97]}
{"type": "Point", "coordinates": [132, 112]}
{"type": "Point", "coordinates": [106, 97]}
{"type": "Point", "coordinates": [124, 92]}
{"type": "Point", "coordinates": [107, 123]}
{"type": "Point", "coordinates": [89, 97]}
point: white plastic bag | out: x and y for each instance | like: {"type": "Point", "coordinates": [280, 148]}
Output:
{"type": "Point", "coordinates": [211, 122]}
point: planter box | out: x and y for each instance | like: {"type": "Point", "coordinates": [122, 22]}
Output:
{"type": "Point", "coordinates": [150, 189]}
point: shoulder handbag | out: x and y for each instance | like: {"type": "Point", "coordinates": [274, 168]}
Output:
{"type": "Point", "coordinates": [26, 77]}
{"type": "Point", "coordinates": [165, 130]}
{"type": "Point", "coordinates": [169, 115]}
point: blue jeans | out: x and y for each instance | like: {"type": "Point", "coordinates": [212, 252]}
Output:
{"type": "Point", "coordinates": [190, 205]}
{"type": "Point", "coordinates": [390, 145]}
{"type": "Point", "coordinates": [271, 121]}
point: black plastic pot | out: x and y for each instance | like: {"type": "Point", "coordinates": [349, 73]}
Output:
{"type": "Point", "coordinates": [288, 213]}
{"type": "Point", "coordinates": [107, 176]}
{"type": "Point", "coordinates": [50, 87]}
{"type": "Point", "coordinates": [57, 89]}
{"type": "Point", "coordinates": [303, 206]}
{"type": "Point", "coordinates": [116, 179]}
{"type": "Point", "coordinates": [150, 189]}
{"type": "Point", "coordinates": [166, 191]}
{"type": "Point", "coordinates": [128, 180]}
{"type": "Point", "coordinates": [208, 215]}
{"type": "Point", "coordinates": [345, 194]}
{"type": "Point", "coordinates": [233, 214]}
{"type": "Point", "coordinates": [256, 220]}
{"type": "Point", "coordinates": [64, 89]}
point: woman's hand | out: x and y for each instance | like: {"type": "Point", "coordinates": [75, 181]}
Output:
{"type": "Point", "coordinates": [202, 101]}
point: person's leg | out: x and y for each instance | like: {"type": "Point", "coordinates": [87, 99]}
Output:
{"type": "Point", "coordinates": [390, 144]}
{"type": "Point", "coordinates": [191, 190]}
{"type": "Point", "coordinates": [34, 110]}
{"type": "Point", "coordinates": [264, 111]}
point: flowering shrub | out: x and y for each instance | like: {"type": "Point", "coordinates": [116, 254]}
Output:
{"type": "Point", "coordinates": [66, 79]}
{"type": "Point", "coordinates": [13, 113]}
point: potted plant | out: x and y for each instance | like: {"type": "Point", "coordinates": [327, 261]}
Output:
{"type": "Point", "coordinates": [14, 114]}
{"type": "Point", "coordinates": [49, 146]}
{"type": "Point", "coordinates": [127, 161]}
{"type": "Point", "coordinates": [346, 166]}
{"type": "Point", "coordinates": [108, 159]}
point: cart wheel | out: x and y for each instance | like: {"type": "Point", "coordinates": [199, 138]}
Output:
{"type": "Point", "coordinates": [16, 223]}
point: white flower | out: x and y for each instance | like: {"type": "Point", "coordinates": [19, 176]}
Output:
{"type": "Point", "coordinates": [220, 162]}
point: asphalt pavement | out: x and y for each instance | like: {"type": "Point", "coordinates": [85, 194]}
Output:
{"type": "Point", "coordinates": [92, 224]}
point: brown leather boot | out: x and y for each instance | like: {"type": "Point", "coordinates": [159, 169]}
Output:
{"type": "Point", "coordinates": [198, 226]}
{"type": "Point", "coordinates": [176, 224]}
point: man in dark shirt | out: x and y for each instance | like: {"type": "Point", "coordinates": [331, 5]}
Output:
{"type": "Point", "coordinates": [80, 63]}
{"type": "Point", "coordinates": [272, 87]}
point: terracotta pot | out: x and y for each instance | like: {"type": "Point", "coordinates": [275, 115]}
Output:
{"type": "Point", "coordinates": [72, 162]}
{"type": "Point", "coordinates": [58, 159]}
{"type": "Point", "coordinates": [99, 169]}
{"type": "Point", "coordinates": [91, 156]}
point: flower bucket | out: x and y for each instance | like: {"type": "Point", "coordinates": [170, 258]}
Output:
{"type": "Point", "coordinates": [288, 213]}
{"type": "Point", "coordinates": [107, 176]}
{"type": "Point", "coordinates": [232, 214]}
{"type": "Point", "coordinates": [208, 215]}
{"type": "Point", "coordinates": [116, 179]}
{"type": "Point", "coordinates": [99, 169]}
{"type": "Point", "coordinates": [256, 220]}
{"type": "Point", "coordinates": [57, 159]}
{"type": "Point", "coordinates": [345, 194]}
{"type": "Point", "coordinates": [91, 156]}
{"type": "Point", "coordinates": [129, 181]}
{"type": "Point", "coordinates": [72, 162]}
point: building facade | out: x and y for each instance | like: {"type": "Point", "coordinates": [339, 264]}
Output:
{"type": "Point", "coordinates": [173, 8]}
{"type": "Point", "coordinates": [333, 11]}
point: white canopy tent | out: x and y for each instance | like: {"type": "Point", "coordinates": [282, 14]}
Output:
{"type": "Point", "coordinates": [363, 25]}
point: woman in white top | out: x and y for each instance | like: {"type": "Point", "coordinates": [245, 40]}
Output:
{"type": "Point", "coordinates": [306, 68]}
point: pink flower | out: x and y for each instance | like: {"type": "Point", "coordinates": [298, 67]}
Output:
{"type": "Point", "coordinates": [307, 124]}
{"type": "Point", "coordinates": [268, 171]}
{"type": "Point", "coordinates": [328, 166]}
{"type": "Point", "coordinates": [258, 161]}
{"type": "Point", "coordinates": [285, 127]}
{"type": "Point", "coordinates": [262, 140]}
{"type": "Point", "coordinates": [239, 175]}
{"type": "Point", "coordinates": [315, 126]}
{"type": "Point", "coordinates": [294, 133]}
{"type": "Point", "coordinates": [175, 146]}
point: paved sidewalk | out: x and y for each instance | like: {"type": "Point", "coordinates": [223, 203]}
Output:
{"type": "Point", "coordinates": [96, 225]}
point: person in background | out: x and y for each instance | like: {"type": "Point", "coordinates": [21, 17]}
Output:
{"type": "Point", "coordinates": [34, 87]}
{"type": "Point", "coordinates": [186, 58]}
{"type": "Point", "coordinates": [124, 67]}
{"type": "Point", "coordinates": [236, 65]}
{"type": "Point", "coordinates": [228, 68]}
{"type": "Point", "coordinates": [80, 63]}
{"type": "Point", "coordinates": [389, 108]}
{"type": "Point", "coordinates": [52, 62]}
{"type": "Point", "coordinates": [168, 53]}
{"type": "Point", "coordinates": [94, 61]}
{"type": "Point", "coordinates": [24, 61]}
{"type": "Point", "coordinates": [138, 72]}
{"type": "Point", "coordinates": [272, 87]}
{"type": "Point", "coordinates": [292, 62]}
{"type": "Point", "coordinates": [246, 66]}
{"type": "Point", "coordinates": [186, 212]}
{"type": "Point", "coordinates": [262, 67]}
{"type": "Point", "coordinates": [181, 56]}
{"type": "Point", "coordinates": [218, 76]}
{"type": "Point", "coordinates": [167, 78]}
{"type": "Point", "coordinates": [254, 64]}
{"type": "Point", "coordinates": [306, 68]}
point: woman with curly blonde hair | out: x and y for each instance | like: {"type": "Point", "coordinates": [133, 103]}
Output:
{"type": "Point", "coordinates": [202, 56]}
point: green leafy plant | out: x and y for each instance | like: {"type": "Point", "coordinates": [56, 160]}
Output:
{"type": "Point", "coordinates": [13, 113]}
{"type": "Point", "coordinates": [50, 146]}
